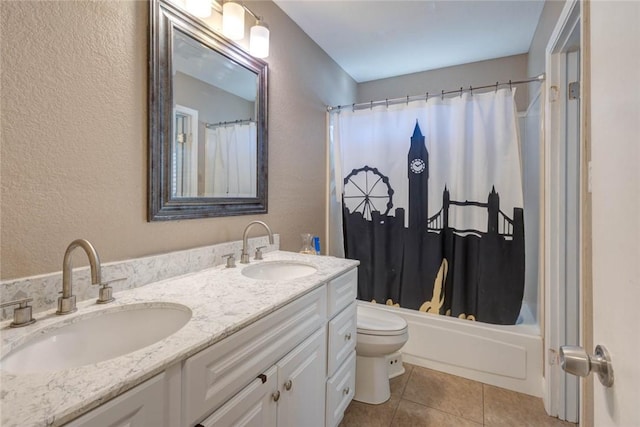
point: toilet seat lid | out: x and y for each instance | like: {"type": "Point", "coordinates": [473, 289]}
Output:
{"type": "Point", "coordinates": [372, 321]}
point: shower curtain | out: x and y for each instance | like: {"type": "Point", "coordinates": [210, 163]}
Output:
{"type": "Point", "coordinates": [230, 161]}
{"type": "Point", "coordinates": [431, 200]}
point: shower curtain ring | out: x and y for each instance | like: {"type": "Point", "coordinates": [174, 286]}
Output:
{"type": "Point", "coordinates": [460, 91]}
{"type": "Point", "coordinates": [442, 96]}
{"type": "Point", "coordinates": [386, 101]}
{"type": "Point", "coordinates": [510, 88]}
{"type": "Point", "coordinates": [371, 106]}
{"type": "Point", "coordinates": [471, 90]}
{"type": "Point", "coordinates": [353, 107]}
{"type": "Point", "coordinates": [426, 98]}
{"type": "Point", "coordinates": [496, 87]}
{"type": "Point", "coordinates": [407, 100]}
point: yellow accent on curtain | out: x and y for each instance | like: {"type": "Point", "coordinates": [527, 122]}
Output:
{"type": "Point", "coordinates": [437, 299]}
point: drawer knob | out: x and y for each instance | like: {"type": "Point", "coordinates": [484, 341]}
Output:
{"type": "Point", "coordinates": [288, 385]}
{"type": "Point", "coordinates": [347, 336]}
{"type": "Point", "coordinates": [276, 396]}
{"type": "Point", "coordinates": [346, 390]}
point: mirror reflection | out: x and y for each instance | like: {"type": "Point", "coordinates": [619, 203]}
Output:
{"type": "Point", "coordinates": [207, 121]}
{"type": "Point", "coordinates": [214, 150]}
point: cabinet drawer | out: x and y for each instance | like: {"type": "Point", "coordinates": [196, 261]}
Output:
{"type": "Point", "coordinates": [342, 337]}
{"type": "Point", "coordinates": [143, 405]}
{"type": "Point", "coordinates": [342, 291]}
{"type": "Point", "coordinates": [253, 406]}
{"type": "Point", "coordinates": [340, 391]}
{"type": "Point", "coordinates": [215, 374]}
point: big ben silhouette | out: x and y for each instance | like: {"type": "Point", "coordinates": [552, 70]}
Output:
{"type": "Point", "coordinates": [418, 174]}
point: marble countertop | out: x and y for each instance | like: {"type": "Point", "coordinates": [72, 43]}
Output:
{"type": "Point", "coordinates": [222, 301]}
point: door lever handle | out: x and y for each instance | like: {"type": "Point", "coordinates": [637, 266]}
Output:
{"type": "Point", "coordinates": [575, 360]}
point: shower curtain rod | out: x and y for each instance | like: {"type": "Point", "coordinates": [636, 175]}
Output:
{"type": "Point", "coordinates": [407, 99]}
{"type": "Point", "coordinates": [232, 122]}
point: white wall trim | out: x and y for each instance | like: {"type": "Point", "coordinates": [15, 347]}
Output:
{"type": "Point", "coordinates": [554, 311]}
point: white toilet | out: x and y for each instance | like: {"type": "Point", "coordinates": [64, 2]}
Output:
{"type": "Point", "coordinates": [380, 333]}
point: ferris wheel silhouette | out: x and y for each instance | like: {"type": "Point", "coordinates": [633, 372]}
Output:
{"type": "Point", "coordinates": [367, 190]}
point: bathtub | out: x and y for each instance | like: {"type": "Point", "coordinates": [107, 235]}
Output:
{"type": "Point", "coordinates": [505, 356]}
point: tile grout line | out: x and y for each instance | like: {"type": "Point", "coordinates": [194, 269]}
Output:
{"type": "Point", "coordinates": [407, 382]}
{"type": "Point", "coordinates": [483, 418]}
{"type": "Point", "coordinates": [395, 411]}
{"type": "Point", "coordinates": [440, 409]}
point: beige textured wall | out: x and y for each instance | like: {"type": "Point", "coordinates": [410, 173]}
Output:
{"type": "Point", "coordinates": [74, 139]}
{"type": "Point", "coordinates": [434, 81]}
{"type": "Point", "coordinates": [537, 50]}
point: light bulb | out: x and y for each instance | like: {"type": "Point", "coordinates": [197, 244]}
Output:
{"type": "Point", "coordinates": [259, 40]}
{"type": "Point", "coordinates": [233, 20]}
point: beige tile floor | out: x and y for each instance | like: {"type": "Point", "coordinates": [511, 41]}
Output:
{"type": "Point", "coordinates": [424, 398]}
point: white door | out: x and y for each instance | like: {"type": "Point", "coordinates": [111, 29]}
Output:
{"type": "Point", "coordinates": [615, 142]}
{"type": "Point", "coordinates": [301, 378]}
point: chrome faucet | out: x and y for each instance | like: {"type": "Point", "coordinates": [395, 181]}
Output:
{"type": "Point", "coordinates": [244, 258]}
{"type": "Point", "coordinates": [67, 302]}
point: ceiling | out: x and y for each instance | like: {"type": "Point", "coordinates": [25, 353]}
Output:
{"type": "Point", "coordinates": [374, 39]}
{"type": "Point", "coordinates": [197, 60]}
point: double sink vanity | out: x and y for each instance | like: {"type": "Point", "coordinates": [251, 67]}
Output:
{"type": "Point", "coordinates": [268, 343]}
{"type": "Point", "coordinates": [271, 342]}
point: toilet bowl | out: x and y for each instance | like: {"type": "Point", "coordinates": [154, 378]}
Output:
{"type": "Point", "coordinates": [379, 333]}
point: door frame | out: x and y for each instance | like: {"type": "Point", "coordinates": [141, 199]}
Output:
{"type": "Point", "coordinates": [191, 143]}
{"type": "Point", "coordinates": [560, 398]}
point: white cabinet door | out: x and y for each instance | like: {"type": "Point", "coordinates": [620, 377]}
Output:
{"type": "Point", "coordinates": [301, 381]}
{"type": "Point", "coordinates": [141, 406]}
{"type": "Point", "coordinates": [254, 406]}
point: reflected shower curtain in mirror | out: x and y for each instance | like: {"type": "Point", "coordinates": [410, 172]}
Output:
{"type": "Point", "coordinates": [432, 204]}
{"type": "Point", "coordinates": [231, 161]}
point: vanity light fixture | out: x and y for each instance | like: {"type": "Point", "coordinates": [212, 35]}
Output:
{"type": "Point", "coordinates": [233, 20]}
{"type": "Point", "coordinates": [199, 8]}
{"type": "Point", "coordinates": [259, 40]}
{"type": "Point", "coordinates": [233, 28]}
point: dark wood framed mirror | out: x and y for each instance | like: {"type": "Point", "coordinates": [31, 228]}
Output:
{"type": "Point", "coordinates": [207, 121]}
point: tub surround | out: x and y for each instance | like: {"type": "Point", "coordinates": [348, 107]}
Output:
{"type": "Point", "coordinates": [136, 272]}
{"type": "Point", "coordinates": [222, 302]}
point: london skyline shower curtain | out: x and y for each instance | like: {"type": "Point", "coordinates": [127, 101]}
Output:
{"type": "Point", "coordinates": [432, 202]}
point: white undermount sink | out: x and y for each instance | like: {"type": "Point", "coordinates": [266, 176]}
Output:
{"type": "Point", "coordinates": [95, 337]}
{"type": "Point", "coordinates": [278, 270]}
